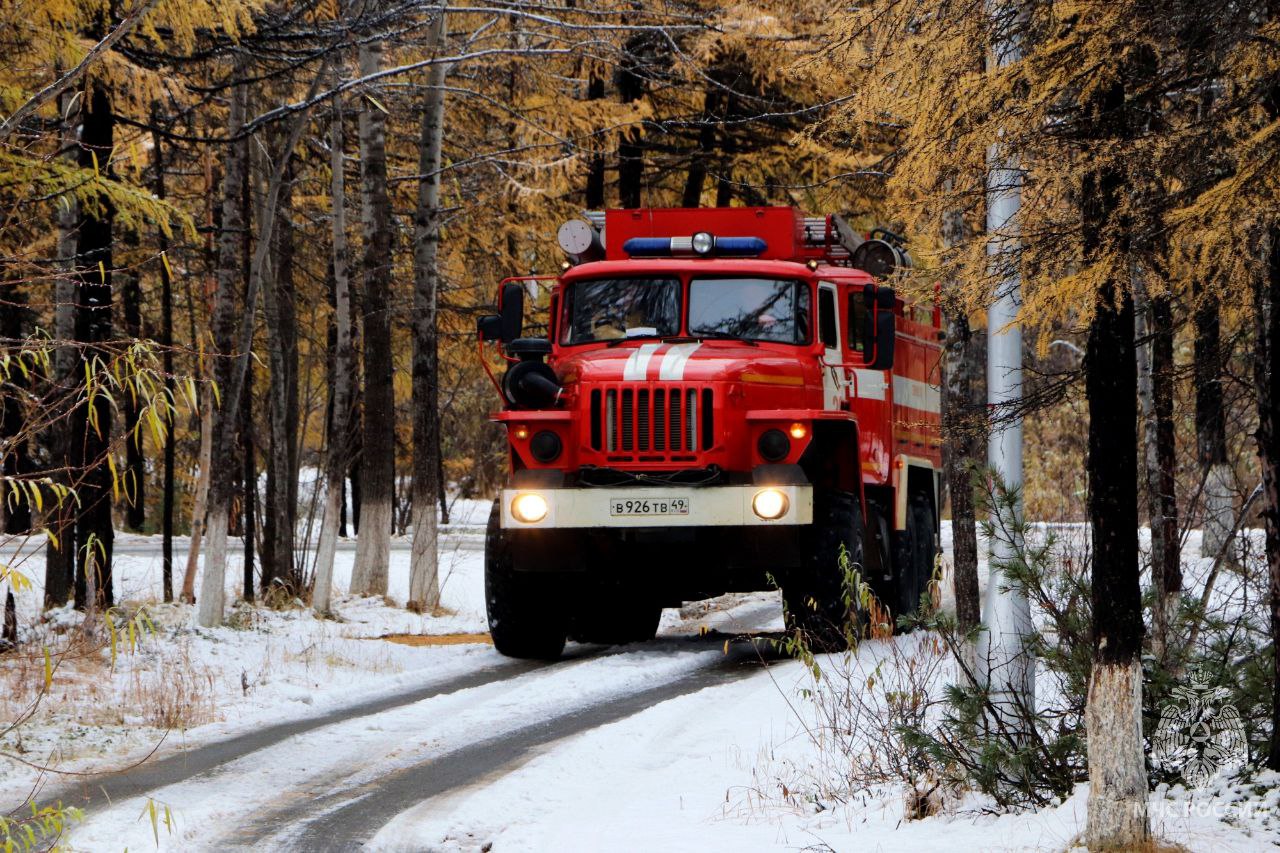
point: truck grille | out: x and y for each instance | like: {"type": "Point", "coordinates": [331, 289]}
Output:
{"type": "Point", "coordinates": [652, 424]}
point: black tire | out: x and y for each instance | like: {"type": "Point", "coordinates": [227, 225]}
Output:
{"type": "Point", "coordinates": [814, 594]}
{"type": "Point", "coordinates": [916, 548]}
{"type": "Point", "coordinates": [525, 610]}
{"type": "Point", "coordinates": [612, 613]}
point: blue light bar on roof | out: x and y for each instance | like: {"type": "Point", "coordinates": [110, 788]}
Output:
{"type": "Point", "coordinates": [740, 246]}
{"type": "Point", "coordinates": [665, 247]}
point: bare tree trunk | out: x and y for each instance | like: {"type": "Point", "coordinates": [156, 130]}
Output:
{"type": "Point", "coordinates": [1211, 430]}
{"type": "Point", "coordinates": [15, 322]}
{"type": "Point", "coordinates": [631, 86]}
{"type": "Point", "coordinates": [199, 508]}
{"type": "Point", "coordinates": [1117, 806]}
{"type": "Point", "coordinates": [249, 480]}
{"type": "Point", "coordinates": [59, 571]}
{"type": "Point", "coordinates": [230, 275]}
{"type": "Point", "coordinates": [166, 341]}
{"type": "Point", "coordinates": [91, 435]}
{"type": "Point", "coordinates": [340, 405]}
{"type": "Point", "coordinates": [377, 475]}
{"type": "Point", "coordinates": [282, 398]}
{"type": "Point", "coordinates": [220, 489]}
{"type": "Point", "coordinates": [424, 587]}
{"type": "Point", "coordinates": [1153, 329]}
{"type": "Point", "coordinates": [594, 196]}
{"type": "Point", "coordinates": [963, 419]}
{"type": "Point", "coordinates": [1267, 384]}
{"type": "Point", "coordinates": [135, 475]}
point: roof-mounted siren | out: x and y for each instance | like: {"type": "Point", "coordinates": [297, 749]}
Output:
{"type": "Point", "coordinates": [882, 254]}
{"type": "Point", "coordinates": [581, 241]}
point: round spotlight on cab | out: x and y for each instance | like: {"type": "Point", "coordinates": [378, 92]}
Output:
{"type": "Point", "coordinates": [773, 445]}
{"type": "Point", "coordinates": [546, 446]}
{"type": "Point", "coordinates": [770, 504]}
{"type": "Point", "coordinates": [703, 243]}
{"type": "Point", "coordinates": [529, 508]}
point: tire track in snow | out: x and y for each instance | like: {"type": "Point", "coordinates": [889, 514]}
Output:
{"type": "Point", "coordinates": [343, 820]}
{"type": "Point", "coordinates": [159, 773]}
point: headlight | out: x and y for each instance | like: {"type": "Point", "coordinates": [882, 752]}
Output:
{"type": "Point", "coordinates": [529, 508]}
{"type": "Point", "coordinates": [703, 243]}
{"type": "Point", "coordinates": [545, 446]}
{"type": "Point", "coordinates": [774, 445]}
{"type": "Point", "coordinates": [770, 504]}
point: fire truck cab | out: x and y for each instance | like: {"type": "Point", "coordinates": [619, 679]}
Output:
{"type": "Point", "coordinates": [726, 400]}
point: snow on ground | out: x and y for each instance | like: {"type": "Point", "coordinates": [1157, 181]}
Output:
{"type": "Point", "coordinates": [263, 666]}
{"type": "Point", "coordinates": [727, 768]}
{"type": "Point", "coordinates": [706, 772]}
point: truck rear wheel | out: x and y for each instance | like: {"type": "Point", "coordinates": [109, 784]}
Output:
{"type": "Point", "coordinates": [915, 553]}
{"type": "Point", "coordinates": [814, 594]}
{"type": "Point", "coordinates": [526, 610]}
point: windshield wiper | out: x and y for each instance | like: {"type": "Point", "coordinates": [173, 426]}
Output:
{"type": "Point", "coordinates": [720, 336]}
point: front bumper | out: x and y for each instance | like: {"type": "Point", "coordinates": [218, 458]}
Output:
{"type": "Point", "coordinates": [707, 506]}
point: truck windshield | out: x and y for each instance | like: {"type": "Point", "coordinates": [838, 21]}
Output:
{"type": "Point", "coordinates": [614, 308]}
{"type": "Point", "coordinates": [760, 309]}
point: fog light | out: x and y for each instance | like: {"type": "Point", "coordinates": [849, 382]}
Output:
{"type": "Point", "coordinates": [545, 446]}
{"type": "Point", "coordinates": [774, 445]}
{"type": "Point", "coordinates": [770, 504]}
{"type": "Point", "coordinates": [529, 508]}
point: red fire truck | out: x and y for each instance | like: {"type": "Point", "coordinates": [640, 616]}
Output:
{"type": "Point", "coordinates": [725, 399]}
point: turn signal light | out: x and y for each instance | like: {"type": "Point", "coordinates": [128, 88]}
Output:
{"type": "Point", "coordinates": [529, 508]}
{"type": "Point", "coordinates": [770, 504]}
{"type": "Point", "coordinates": [798, 430]}
{"type": "Point", "coordinates": [521, 432]}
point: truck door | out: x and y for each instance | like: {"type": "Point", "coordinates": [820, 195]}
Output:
{"type": "Point", "coordinates": [833, 371]}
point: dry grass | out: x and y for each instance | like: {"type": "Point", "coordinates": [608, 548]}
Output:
{"type": "Point", "coordinates": [175, 694]}
{"type": "Point", "coordinates": [437, 639]}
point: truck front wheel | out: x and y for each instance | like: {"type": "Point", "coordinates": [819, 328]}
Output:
{"type": "Point", "coordinates": [526, 610]}
{"type": "Point", "coordinates": [814, 594]}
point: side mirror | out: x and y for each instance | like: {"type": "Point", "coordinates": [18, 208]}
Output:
{"type": "Point", "coordinates": [511, 310]}
{"type": "Point", "coordinates": [489, 327]}
{"type": "Point", "coordinates": [885, 330]}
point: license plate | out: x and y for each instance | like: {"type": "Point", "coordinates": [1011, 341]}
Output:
{"type": "Point", "coordinates": [648, 506]}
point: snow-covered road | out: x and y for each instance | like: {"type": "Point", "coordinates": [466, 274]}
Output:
{"type": "Point", "coordinates": [332, 783]}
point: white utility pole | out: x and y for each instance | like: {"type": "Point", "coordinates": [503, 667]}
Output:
{"type": "Point", "coordinates": [1003, 659]}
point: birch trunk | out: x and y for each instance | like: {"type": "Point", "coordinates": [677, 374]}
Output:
{"type": "Point", "coordinates": [336, 457]}
{"type": "Point", "coordinates": [377, 476]}
{"type": "Point", "coordinates": [424, 587]}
